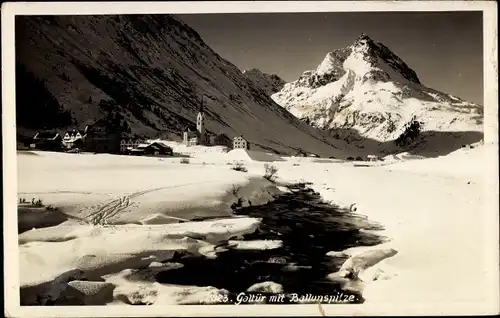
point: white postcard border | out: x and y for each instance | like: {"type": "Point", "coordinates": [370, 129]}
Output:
{"type": "Point", "coordinates": [11, 257]}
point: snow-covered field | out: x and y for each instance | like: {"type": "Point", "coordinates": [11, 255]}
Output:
{"type": "Point", "coordinates": [438, 215]}
{"type": "Point", "coordinates": [436, 212]}
{"type": "Point", "coordinates": [139, 198]}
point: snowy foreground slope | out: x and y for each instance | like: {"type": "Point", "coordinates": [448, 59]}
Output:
{"type": "Point", "coordinates": [433, 210]}
{"type": "Point", "coordinates": [366, 94]}
{"type": "Point", "coordinates": [142, 200]}
{"type": "Point", "coordinates": [155, 71]}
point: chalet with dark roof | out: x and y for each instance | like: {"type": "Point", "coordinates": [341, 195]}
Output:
{"type": "Point", "coordinates": [221, 140]}
{"type": "Point", "coordinates": [47, 140]}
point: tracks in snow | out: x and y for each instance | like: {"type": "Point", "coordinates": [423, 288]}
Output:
{"type": "Point", "coordinates": [102, 213]}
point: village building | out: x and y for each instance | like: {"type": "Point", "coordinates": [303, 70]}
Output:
{"type": "Point", "coordinates": [199, 136]}
{"type": "Point", "coordinates": [222, 140]}
{"type": "Point", "coordinates": [212, 139]}
{"type": "Point", "coordinates": [240, 143]}
{"type": "Point", "coordinates": [100, 137]}
{"type": "Point", "coordinates": [190, 137]}
{"type": "Point", "coordinates": [128, 144]}
{"type": "Point", "coordinates": [373, 158]}
{"type": "Point", "coordinates": [152, 148]}
{"type": "Point", "coordinates": [47, 140]}
{"type": "Point", "coordinates": [74, 139]}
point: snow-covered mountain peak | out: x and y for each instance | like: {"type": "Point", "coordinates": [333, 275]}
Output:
{"type": "Point", "coordinates": [363, 37]}
{"type": "Point", "coordinates": [367, 59]}
{"type": "Point", "coordinates": [372, 60]}
{"type": "Point", "coordinates": [363, 43]}
{"type": "Point", "coordinates": [366, 92]}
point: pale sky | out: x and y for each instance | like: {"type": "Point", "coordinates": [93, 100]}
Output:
{"type": "Point", "coordinates": [444, 48]}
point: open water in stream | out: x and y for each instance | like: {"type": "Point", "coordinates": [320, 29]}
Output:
{"type": "Point", "coordinates": [308, 227]}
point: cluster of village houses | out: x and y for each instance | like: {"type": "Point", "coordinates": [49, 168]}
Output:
{"type": "Point", "coordinates": [99, 138]}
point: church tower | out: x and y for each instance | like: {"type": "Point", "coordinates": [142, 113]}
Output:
{"type": "Point", "coordinates": [199, 123]}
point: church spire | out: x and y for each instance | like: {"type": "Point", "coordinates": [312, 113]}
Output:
{"type": "Point", "coordinates": [199, 122]}
{"type": "Point", "coordinates": [201, 105]}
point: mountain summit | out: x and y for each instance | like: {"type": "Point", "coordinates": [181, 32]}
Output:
{"type": "Point", "coordinates": [366, 94]}
{"type": "Point", "coordinates": [379, 56]}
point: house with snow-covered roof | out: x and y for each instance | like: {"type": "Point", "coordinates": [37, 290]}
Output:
{"type": "Point", "coordinates": [74, 138]}
{"type": "Point", "coordinates": [155, 148]}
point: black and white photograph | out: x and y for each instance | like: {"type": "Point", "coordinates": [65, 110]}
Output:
{"type": "Point", "coordinates": [228, 158]}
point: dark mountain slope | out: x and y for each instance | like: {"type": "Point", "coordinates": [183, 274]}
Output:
{"type": "Point", "coordinates": [154, 70]}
